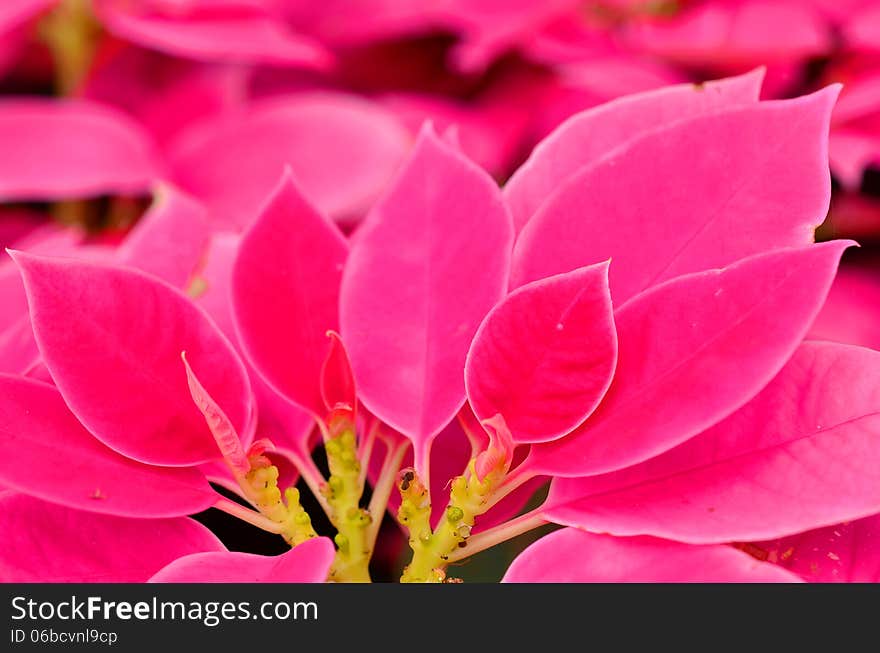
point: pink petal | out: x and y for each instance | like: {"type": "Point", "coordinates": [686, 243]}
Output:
{"type": "Point", "coordinates": [51, 544]}
{"type": "Point", "coordinates": [803, 454]}
{"type": "Point", "coordinates": [112, 338]}
{"type": "Point", "coordinates": [17, 347]}
{"type": "Point", "coordinates": [285, 290]}
{"type": "Point", "coordinates": [427, 266]}
{"type": "Point", "coordinates": [170, 240]}
{"type": "Point", "coordinates": [308, 562]}
{"type": "Point", "coordinates": [236, 35]}
{"type": "Point", "coordinates": [45, 452]}
{"type": "Point", "coordinates": [851, 151]}
{"type": "Point", "coordinates": [343, 151]}
{"type": "Point", "coordinates": [693, 350]}
{"type": "Point", "coordinates": [573, 556]}
{"type": "Point", "coordinates": [71, 148]}
{"type": "Point", "coordinates": [736, 34]}
{"type": "Point", "coordinates": [544, 357]}
{"type": "Point", "coordinates": [337, 378]}
{"type": "Point", "coordinates": [696, 180]}
{"type": "Point", "coordinates": [589, 136]}
{"type": "Point", "coordinates": [863, 30]}
{"type": "Point", "coordinates": [851, 313]}
{"type": "Point", "coordinates": [848, 553]}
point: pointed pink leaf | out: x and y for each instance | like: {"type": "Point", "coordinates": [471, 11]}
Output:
{"type": "Point", "coordinates": [573, 556]}
{"type": "Point", "coordinates": [53, 544]}
{"type": "Point", "coordinates": [236, 35]}
{"type": "Point", "coordinates": [693, 350]}
{"type": "Point", "coordinates": [342, 149]}
{"type": "Point", "coordinates": [308, 562]}
{"type": "Point", "coordinates": [71, 148]}
{"type": "Point", "coordinates": [45, 452]}
{"type": "Point", "coordinates": [843, 553]}
{"type": "Point", "coordinates": [804, 453]}
{"type": "Point", "coordinates": [674, 200]}
{"type": "Point", "coordinates": [170, 240]}
{"type": "Point", "coordinates": [228, 442]}
{"type": "Point", "coordinates": [285, 290]}
{"type": "Point", "coordinates": [111, 338]}
{"type": "Point", "coordinates": [427, 266]}
{"type": "Point", "coordinates": [337, 378]}
{"type": "Point", "coordinates": [544, 357]}
{"type": "Point", "coordinates": [588, 136]}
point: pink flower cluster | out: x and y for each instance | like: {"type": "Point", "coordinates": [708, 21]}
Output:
{"type": "Point", "coordinates": [492, 269]}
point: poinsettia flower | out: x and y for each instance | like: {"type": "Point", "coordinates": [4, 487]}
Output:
{"type": "Point", "coordinates": [624, 330]}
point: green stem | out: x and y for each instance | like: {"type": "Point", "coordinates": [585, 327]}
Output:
{"type": "Point", "coordinates": [432, 551]}
{"type": "Point", "coordinates": [343, 494]}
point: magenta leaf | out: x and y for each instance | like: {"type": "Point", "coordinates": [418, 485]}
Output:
{"type": "Point", "coordinates": [240, 34]}
{"type": "Point", "coordinates": [342, 149]}
{"type": "Point", "coordinates": [285, 290]}
{"type": "Point", "coordinates": [590, 135]}
{"type": "Point", "coordinates": [38, 432]}
{"type": "Point", "coordinates": [674, 200]}
{"type": "Point", "coordinates": [573, 556]}
{"type": "Point", "coordinates": [170, 240]}
{"type": "Point", "coordinates": [71, 148]}
{"type": "Point", "coordinates": [427, 266]}
{"type": "Point", "coordinates": [544, 357]}
{"type": "Point", "coordinates": [112, 337]}
{"type": "Point", "coordinates": [843, 553]}
{"type": "Point", "coordinates": [693, 350]}
{"type": "Point", "coordinates": [308, 562]}
{"type": "Point", "coordinates": [53, 544]}
{"type": "Point", "coordinates": [804, 453]}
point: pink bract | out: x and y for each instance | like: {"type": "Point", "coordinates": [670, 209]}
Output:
{"type": "Point", "coordinates": [544, 357]}
{"type": "Point", "coordinates": [59, 545]}
{"type": "Point", "coordinates": [308, 562]}
{"type": "Point", "coordinates": [285, 290]}
{"type": "Point", "coordinates": [798, 456]}
{"type": "Point", "coordinates": [424, 269]}
{"type": "Point", "coordinates": [96, 329]}
{"type": "Point", "coordinates": [573, 556]}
